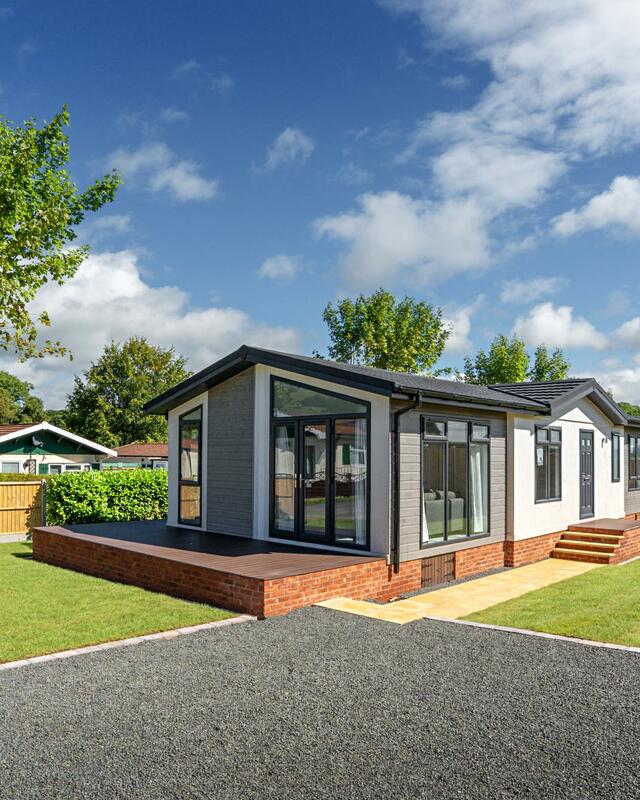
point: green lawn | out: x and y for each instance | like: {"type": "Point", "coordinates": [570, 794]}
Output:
{"type": "Point", "coordinates": [602, 605]}
{"type": "Point", "coordinates": [44, 609]}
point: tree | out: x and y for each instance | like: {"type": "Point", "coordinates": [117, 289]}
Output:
{"type": "Point", "coordinates": [39, 207]}
{"type": "Point", "coordinates": [106, 404]}
{"type": "Point", "coordinates": [554, 367]}
{"type": "Point", "coordinates": [508, 362]}
{"type": "Point", "coordinates": [17, 404]}
{"type": "Point", "coordinates": [630, 408]}
{"type": "Point", "coordinates": [381, 331]}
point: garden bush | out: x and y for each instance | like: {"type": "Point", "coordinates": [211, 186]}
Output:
{"type": "Point", "coordinates": [15, 477]}
{"type": "Point", "coordinates": [107, 496]}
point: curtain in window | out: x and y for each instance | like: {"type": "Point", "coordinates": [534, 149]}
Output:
{"type": "Point", "coordinates": [479, 463]}
{"type": "Point", "coordinates": [360, 444]}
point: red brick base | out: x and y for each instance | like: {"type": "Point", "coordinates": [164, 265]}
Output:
{"type": "Point", "coordinates": [474, 560]}
{"type": "Point", "coordinates": [374, 580]}
{"type": "Point", "coordinates": [526, 551]}
{"type": "Point", "coordinates": [629, 547]}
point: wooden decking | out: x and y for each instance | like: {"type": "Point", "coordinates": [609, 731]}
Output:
{"type": "Point", "coordinates": [250, 558]}
{"type": "Point", "coordinates": [248, 575]}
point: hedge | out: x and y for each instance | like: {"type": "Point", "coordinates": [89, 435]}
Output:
{"type": "Point", "coordinates": [107, 496]}
{"type": "Point", "coordinates": [15, 477]}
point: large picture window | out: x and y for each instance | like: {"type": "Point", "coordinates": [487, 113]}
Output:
{"type": "Point", "coordinates": [455, 479]}
{"type": "Point", "coordinates": [615, 457]}
{"type": "Point", "coordinates": [190, 468]}
{"type": "Point", "coordinates": [634, 463]}
{"type": "Point", "coordinates": [548, 464]}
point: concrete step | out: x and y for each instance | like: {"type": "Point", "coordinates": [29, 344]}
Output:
{"type": "Point", "coordinates": [581, 555]}
{"type": "Point", "coordinates": [587, 536]}
{"type": "Point", "coordinates": [596, 547]}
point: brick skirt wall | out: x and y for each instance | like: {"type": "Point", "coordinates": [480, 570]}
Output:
{"type": "Point", "coordinates": [525, 551]}
{"type": "Point", "coordinates": [629, 547]}
{"type": "Point", "coordinates": [373, 580]}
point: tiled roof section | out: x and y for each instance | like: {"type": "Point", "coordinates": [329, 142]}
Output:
{"type": "Point", "coordinates": [144, 450]}
{"type": "Point", "coordinates": [5, 429]}
{"type": "Point", "coordinates": [542, 391]}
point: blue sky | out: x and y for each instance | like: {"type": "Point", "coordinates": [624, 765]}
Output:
{"type": "Point", "coordinates": [279, 154]}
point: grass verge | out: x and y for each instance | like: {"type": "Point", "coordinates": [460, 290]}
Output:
{"type": "Point", "coordinates": [44, 609]}
{"type": "Point", "coordinates": [602, 605]}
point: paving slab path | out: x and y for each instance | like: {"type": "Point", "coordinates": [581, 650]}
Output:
{"type": "Point", "coordinates": [454, 602]}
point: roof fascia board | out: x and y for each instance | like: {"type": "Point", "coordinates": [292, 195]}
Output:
{"type": "Point", "coordinates": [480, 406]}
{"type": "Point", "coordinates": [249, 357]}
{"type": "Point", "coordinates": [600, 399]}
{"type": "Point", "coordinates": [470, 401]}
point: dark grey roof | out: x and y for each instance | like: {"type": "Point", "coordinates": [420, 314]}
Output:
{"type": "Point", "coordinates": [542, 397]}
{"type": "Point", "coordinates": [556, 393]}
{"type": "Point", "coordinates": [380, 381]}
{"type": "Point", "coordinates": [543, 391]}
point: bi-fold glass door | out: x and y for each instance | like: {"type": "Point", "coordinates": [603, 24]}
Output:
{"type": "Point", "coordinates": [320, 480]}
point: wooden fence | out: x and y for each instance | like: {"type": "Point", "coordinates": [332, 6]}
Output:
{"type": "Point", "coordinates": [21, 506]}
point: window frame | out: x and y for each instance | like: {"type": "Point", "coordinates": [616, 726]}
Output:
{"type": "Point", "coordinates": [299, 422]}
{"type": "Point", "coordinates": [615, 436]}
{"type": "Point", "coordinates": [636, 438]}
{"type": "Point", "coordinates": [12, 472]}
{"type": "Point", "coordinates": [181, 482]}
{"type": "Point", "coordinates": [470, 422]}
{"type": "Point", "coordinates": [546, 445]}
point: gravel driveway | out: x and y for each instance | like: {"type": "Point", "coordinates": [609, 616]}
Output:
{"type": "Point", "coordinates": [325, 705]}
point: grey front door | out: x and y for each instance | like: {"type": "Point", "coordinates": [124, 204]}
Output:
{"type": "Point", "coordinates": [586, 474]}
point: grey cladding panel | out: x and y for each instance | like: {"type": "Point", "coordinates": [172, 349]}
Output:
{"type": "Point", "coordinates": [230, 456]}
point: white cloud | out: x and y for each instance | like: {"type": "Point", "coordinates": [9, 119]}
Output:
{"type": "Point", "coordinates": [109, 299]}
{"type": "Point", "coordinates": [617, 207]}
{"type": "Point", "coordinates": [172, 114]}
{"type": "Point", "coordinates": [221, 83]}
{"type": "Point", "coordinates": [629, 333]}
{"type": "Point", "coordinates": [186, 68]}
{"type": "Point", "coordinates": [105, 226]}
{"type": "Point", "coordinates": [556, 326]}
{"type": "Point", "coordinates": [353, 175]}
{"type": "Point", "coordinates": [565, 87]}
{"type": "Point", "coordinates": [184, 183]}
{"type": "Point", "coordinates": [391, 235]}
{"type": "Point", "coordinates": [530, 290]}
{"type": "Point", "coordinates": [504, 175]}
{"type": "Point", "coordinates": [279, 267]}
{"type": "Point", "coordinates": [455, 82]}
{"type": "Point", "coordinates": [459, 318]}
{"type": "Point", "coordinates": [289, 147]}
{"type": "Point", "coordinates": [622, 382]}
{"type": "Point", "coordinates": [158, 165]}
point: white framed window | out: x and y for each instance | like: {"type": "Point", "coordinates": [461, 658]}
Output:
{"type": "Point", "coordinates": [10, 466]}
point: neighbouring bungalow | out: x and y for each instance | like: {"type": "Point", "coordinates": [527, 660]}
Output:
{"type": "Point", "coordinates": [139, 455]}
{"type": "Point", "coordinates": [44, 449]}
{"type": "Point", "coordinates": [440, 477]}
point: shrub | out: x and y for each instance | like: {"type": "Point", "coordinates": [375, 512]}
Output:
{"type": "Point", "coordinates": [107, 496]}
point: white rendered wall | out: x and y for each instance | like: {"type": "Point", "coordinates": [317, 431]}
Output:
{"type": "Point", "coordinates": [525, 517]}
{"type": "Point", "coordinates": [379, 454]}
{"type": "Point", "coordinates": [174, 459]}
